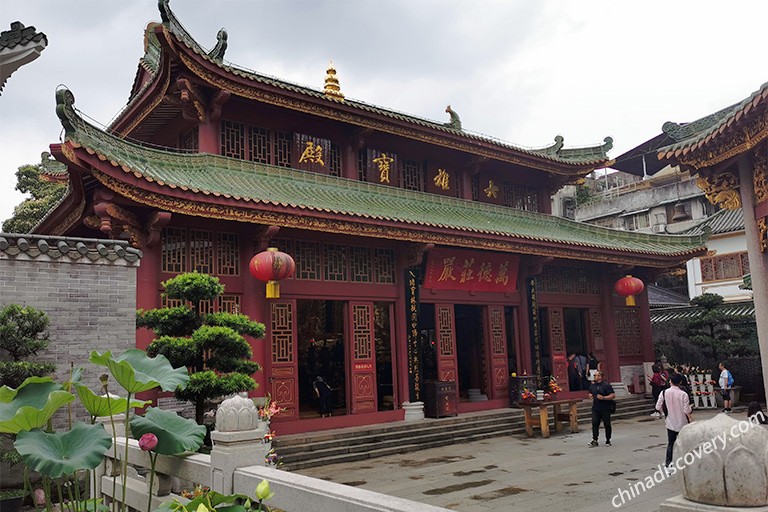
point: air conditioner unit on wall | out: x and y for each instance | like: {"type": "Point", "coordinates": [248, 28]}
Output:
{"type": "Point", "coordinates": [658, 228]}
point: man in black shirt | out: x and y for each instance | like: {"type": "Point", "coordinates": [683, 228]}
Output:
{"type": "Point", "coordinates": [602, 404]}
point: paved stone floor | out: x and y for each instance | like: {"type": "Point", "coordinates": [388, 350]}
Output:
{"type": "Point", "coordinates": [512, 473]}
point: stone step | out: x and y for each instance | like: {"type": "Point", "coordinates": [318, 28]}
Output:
{"type": "Point", "coordinates": [300, 451]}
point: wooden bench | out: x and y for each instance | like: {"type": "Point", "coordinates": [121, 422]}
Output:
{"type": "Point", "coordinates": [543, 420]}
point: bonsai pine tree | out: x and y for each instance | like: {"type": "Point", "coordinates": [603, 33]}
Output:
{"type": "Point", "coordinates": [23, 332]}
{"type": "Point", "coordinates": [211, 346]}
{"type": "Point", "coordinates": [718, 333]}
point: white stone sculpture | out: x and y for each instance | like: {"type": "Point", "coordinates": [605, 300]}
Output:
{"type": "Point", "coordinates": [236, 414]}
{"type": "Point", "coordinates": [729, 465]}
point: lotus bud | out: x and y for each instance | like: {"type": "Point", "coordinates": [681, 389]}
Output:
{"type": "Point", "coordinates": [148, 442]}
{"type": "Point", "coordinates": [262, 491]}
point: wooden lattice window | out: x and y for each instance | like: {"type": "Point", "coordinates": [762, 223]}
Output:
{"type": "Point", "coordinates": [308, 261]}
{"type": "Point", "coordinates": [520, 197]}
{"type": "Point", "coordinates": [174, 250]}
{"type": "Point", "coordinates": [258, 143]}
{"type": "Point", "coordinates": [475, 188]}
{"type": "Point", "coordinates": [233, 139]}
{"type": "Point", "coordinates": [334, 161]}
{"type": "Point", "coordinates": [627, 331]}
{"type": "Point", "coordinates": [283, 147]}
{"type": "Point", "coordinates": [165, 302]}
{"type": "Point", "coordinates": [556, 329]}
{"type": "Point", "coordinates": [360, 265]}
{"type": "Point", "coordinates": [208, 306]}
{"type": "Point", "coordinates": [568, 280]}
{"type": "Point", "coordinates": [596, 325]}
{"type": "Point", "coordinates": [444, 329]}
{"type": "Point", "coordinates": [413, 175]}
{"type": "Point", "coordinates": [335, 264]}
{"type": "Point", "coordinates": [497, 330]}
{"type": "Point", "coordinates": [384, 266]}
{"type": "Point", "coordinates": [229, 304]}
{"type": "Point", "coordinates": [201, 251]}
{"type": "Point", "coordinates": [227, 254]}
{"type": "Point", "coordinates": [726, 266]}
{"type": "Point", "coordinates": [190, 139]}
{"type": "Point", "coordinates": [361, 320]}
{"type": "Point", "coordinates": [362, 166]}
{"type": "Point", "coordinates": [281, 328]}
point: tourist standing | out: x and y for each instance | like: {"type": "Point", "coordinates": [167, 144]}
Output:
{"type": "Point", "coordinates": [323, 394]}
{"type": "Point", "coordinates": [677, 408]}
{"type": "Point", "coordinates": [658, 383]}
{"type": "Point", "coordinates": [726, 383]}
{"type": "Point", "coordinates": [581, 369]}
{"type": "Point", "coordinates": [603, 405]}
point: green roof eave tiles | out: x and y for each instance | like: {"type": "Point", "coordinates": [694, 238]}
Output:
{"type": "Point", "coordinates": [591, 155]}
{"type": "Point", "coordinates": [251, 182]}
{"type": "Point", "coordinates": [743, 309]}
{"type": "Point", "coordinates": [724, 221]}
{"type": "Point", "coordinates": [694, 135]}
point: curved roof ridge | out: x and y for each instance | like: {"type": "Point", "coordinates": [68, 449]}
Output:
{"type": "Point", "coordinates": [251, 183]}
{"type": "Point", "coordinates": [595, 154]}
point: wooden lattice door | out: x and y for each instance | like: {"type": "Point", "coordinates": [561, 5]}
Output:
{"type": "Point", "coordinates": [445, 327]}
{"type": "Point", "coordinates": [283, 368]}
{"type": "Point", "coordinates": [362, 358]}
{"type": "Point", "coordinates": [557, 345]}
{"type": "Point", "coordinates": [497, 351]}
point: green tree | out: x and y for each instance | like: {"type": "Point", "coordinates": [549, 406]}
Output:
{"type": "Point", "coordinates": [720, 334]}
{"type": "Point", "coordinates": [23, 332]}
{"type": "Point", "coordinates": [45, 194]}
{"type": "Point", "coordinates": [211, 346]}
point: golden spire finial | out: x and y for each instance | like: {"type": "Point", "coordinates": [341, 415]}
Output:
{"type": "Point", "coordinates": [332, 89]}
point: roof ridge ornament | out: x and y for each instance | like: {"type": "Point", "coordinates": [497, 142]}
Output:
{"type": "Point", "coordinates": [332, 88]}
{"type": "Point", "coordinates": [555, 148]}
{"type": "Point", "coordinates": [165, 9]}
{"type": "Point", "coordinates": [455, 122]}
{"type": "Point", "coordinates": [64, 105]}
{"type": "Point", "coordinates": [217, 53]}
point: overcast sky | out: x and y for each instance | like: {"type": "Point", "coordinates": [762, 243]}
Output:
{"type": "Point", "coordinates": [523, 71]}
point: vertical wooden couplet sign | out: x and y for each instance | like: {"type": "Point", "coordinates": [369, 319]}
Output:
{"type": "Point", "coordinates": [413, 335]}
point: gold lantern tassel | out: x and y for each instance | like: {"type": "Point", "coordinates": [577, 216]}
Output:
{"type": "Point", "coordinates": [630, 300]}
{"type": "Point", "coordinates": [273, 289]}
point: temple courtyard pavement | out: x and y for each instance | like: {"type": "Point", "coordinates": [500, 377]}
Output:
{"type": "Point", "coordinates": [513, 473]}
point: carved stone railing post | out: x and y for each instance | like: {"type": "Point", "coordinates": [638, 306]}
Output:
{"type": "Point", "coordinates": [237, 441]}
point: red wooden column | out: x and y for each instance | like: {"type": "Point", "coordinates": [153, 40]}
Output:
{"type": "Point", "coordinates": [646, 331]}
{"type": "Point", "coordinates": [611, 366]}
{"type": "Point", "coordinates": [148, 288]}
{"type": "Point", "coordinates": [208, 137]}
{"type": "Point", "coordinates": [524, 355]}
{"type": "Point", "coordinates": [253, 304]}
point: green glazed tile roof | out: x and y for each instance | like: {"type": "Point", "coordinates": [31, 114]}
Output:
{"type": "Point", "coordinates": [724, 221]}
{"type": "Point", "coordinates": [252, 184]}
{"type": "Point", "coordinates": [691, 136]}
{"type": "Point", "coordinates": [555, 152]}
{"type": "Point", "coordinates": [743, 309]}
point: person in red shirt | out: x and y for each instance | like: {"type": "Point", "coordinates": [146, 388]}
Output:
{"type": "Point", "coordinates": [658, 383]}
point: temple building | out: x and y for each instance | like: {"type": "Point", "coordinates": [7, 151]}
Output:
{"type": "Point", "coordinates": [423, 252]}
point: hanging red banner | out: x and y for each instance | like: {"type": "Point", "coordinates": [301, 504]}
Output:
{"type": "Point", "coordinates": [457, 269]}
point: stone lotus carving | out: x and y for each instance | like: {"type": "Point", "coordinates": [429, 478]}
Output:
{"type": "Point", "coordinates": [735, 475]}
{"type": "Point", "coordinates": [237, 414]}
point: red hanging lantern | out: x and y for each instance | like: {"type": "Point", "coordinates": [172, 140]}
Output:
{"type": "Point", "coordinates": [628, 287]}
{"type": "Point", "coordinates": [272, 266]}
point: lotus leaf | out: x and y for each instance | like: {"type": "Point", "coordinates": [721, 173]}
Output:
{"type": "Point", "coordinates": [175, 434]}
{"type": "Point", "coordinates": [30, 405]}
{"type": "Point", "coordinates": [101, 405]}
{"type": "Point", "coordinates": [62, 453]}
{"type": "Point", "coordinates": [137, 372]}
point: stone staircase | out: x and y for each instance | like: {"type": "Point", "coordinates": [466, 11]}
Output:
{"type": "Point", "coordinates": [299, 451]}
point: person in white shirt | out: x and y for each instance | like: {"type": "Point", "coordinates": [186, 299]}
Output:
{"type": "Point", "coordinates": [678, 412]}
{"type": "Point", "coordinates": [725, 387]}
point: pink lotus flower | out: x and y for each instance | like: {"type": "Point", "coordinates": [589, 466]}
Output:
{"type": "Point", "coordinates": [148, 442]}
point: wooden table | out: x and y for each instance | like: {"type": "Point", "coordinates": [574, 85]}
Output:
{"type": "Point", "coordinates": [543, 420]}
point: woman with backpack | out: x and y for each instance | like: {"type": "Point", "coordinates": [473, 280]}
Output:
{"type": "Point", "coordinates": [658, 383]}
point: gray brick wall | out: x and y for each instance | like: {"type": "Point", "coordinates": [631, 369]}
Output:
{"type": "Point", "coordinates": [86, 287]}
